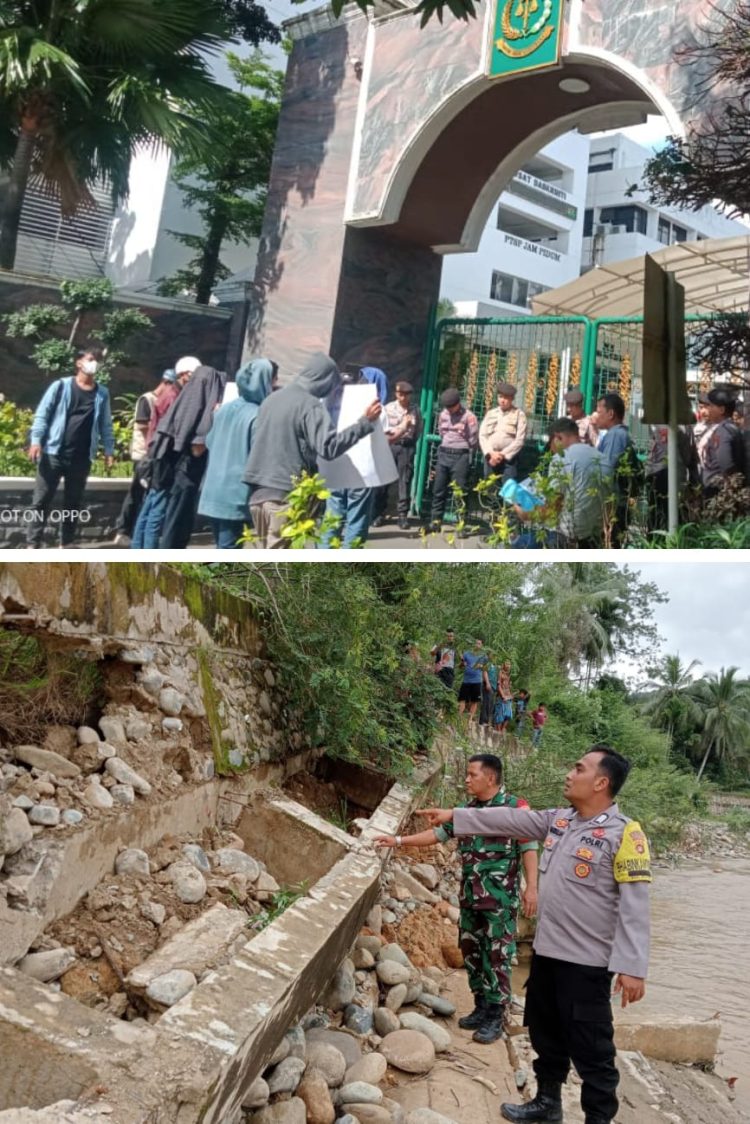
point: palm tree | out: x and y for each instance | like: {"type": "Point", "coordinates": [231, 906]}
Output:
{"type": "Point", "coordinates": [673, 696]}
{"type": "Point", "coordinates": [84, 84]}
{"type": "Point", "coordinates": [725, 703]}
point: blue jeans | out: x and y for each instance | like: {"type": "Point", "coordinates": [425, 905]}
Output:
{"type": "Point", "coordinates": [537, 540]}
{"type": "Point", "coordinates": [226, 532]}
{"type": "Point", "coordinates": [352, 507]}
{"type": "Point", "coordinates": [147, 530]}
{"type": "Point", "coordinates": [536, 737]}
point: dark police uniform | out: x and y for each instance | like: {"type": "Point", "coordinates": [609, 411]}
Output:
{"type": "Point", "coordinates": [593, 921]}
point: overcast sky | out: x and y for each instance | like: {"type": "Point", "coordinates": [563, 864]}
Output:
{"type": "Point", "coordinates": [707, 616]}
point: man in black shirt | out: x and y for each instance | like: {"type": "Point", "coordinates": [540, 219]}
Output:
{"type": "Point", "coordinates": [71, 420]}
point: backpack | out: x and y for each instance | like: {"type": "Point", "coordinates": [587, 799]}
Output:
{"type": "Point", "coordinates": [630, 472]}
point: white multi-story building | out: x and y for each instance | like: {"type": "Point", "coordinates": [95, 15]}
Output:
{"type": "Point", "coordinates": [619, 221]}
{"type": "Point", "coordinates": [532, 241]}
{"type": "Point", "coordinates": [575, 206]}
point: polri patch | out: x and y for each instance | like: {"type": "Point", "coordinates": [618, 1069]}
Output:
{"type": "Point", "coordinates": [583, 870]}
{"type": "Point", "coordinates": [584, 853]}
{"type": "Point", "coordinates": [632, 862]}
{"type": "Point", "coordinates": [561, 823]}
{"type": "Point", "coordinates": [599, 832]}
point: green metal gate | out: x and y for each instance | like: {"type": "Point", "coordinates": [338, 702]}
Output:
{"type": "Point", "coordinates": [543, 356]}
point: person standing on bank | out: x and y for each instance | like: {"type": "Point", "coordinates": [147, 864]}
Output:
{"type": "Point", "coordinates": [593, 924]}
{"type": "Point", "coordinates": [444, 656]}
{"type": "Point", "coordinates": [72, 420]}
{"type": "Point", "coordinates": [459, 437]}
{"type": "Point", "coordinates": [490, 884]}
{"type": "Point", "coordinates": [502, 434]}
{"type": "Point", "coordinates": [587, 431]}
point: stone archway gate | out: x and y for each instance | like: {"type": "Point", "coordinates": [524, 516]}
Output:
{"type": "Point", "coordinates": [394, 143]}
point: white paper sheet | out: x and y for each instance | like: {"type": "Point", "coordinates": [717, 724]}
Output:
{"type": "Point", "coordinates": [369, 463]}
{"type": "Point", "coordinates": [230, 393]}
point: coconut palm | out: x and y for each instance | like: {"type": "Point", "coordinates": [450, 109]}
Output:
{"type": "Point", "coordinates": [725, 703]}
{"type": "Point", "coordinates": [84, 84]}
{"type": "Point", "coordinates": [673, 693]}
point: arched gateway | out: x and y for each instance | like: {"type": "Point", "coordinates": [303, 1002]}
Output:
{"type": "Point", "coordinates": [394, 143]}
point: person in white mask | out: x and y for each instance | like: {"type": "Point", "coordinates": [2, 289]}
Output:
{"type": "Point", "coordinates": [72, 421]}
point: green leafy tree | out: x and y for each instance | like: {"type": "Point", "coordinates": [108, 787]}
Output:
{"type": "Point", "coordinates": [84, 84]}
{"type": "Point", "coordinates": [227, 184]}
{"type": "Point", "coordinates": [725, 705]}
{"type": "Point", "coordinates": [77, 298]}
{"type": "Point", "coordinates": [672, 701]}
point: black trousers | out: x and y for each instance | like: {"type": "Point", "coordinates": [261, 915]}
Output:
{"type": "Point", "coordinates": [487, 708]}
{"type": "Point", "coordinates": [183, 501]}
{"type": "Point", "coordinates": [507, 471]}
{"type": "Point", "coordinates": [133, 501]}
{"type": "Point", "coordinates": [450, 465]}
{"type": "Point", "coordinates": [50, 471]}
{"type": "Point", "coordinates": [404, 458]}
{"type": "Point", "coordinates": [569, 1016]}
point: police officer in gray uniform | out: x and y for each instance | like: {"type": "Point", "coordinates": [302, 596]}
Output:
{"type": "Point", "coordinates": [593, 923]}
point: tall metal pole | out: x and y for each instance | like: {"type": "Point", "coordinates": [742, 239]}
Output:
{"type": "Point", "coordinates": [674, 324]}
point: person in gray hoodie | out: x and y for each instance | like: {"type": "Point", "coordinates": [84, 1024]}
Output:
{"type": "Point", "coordinates": [293, 431]}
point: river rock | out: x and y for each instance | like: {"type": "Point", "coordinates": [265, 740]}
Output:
{"type": "Point", "coordinates": [386, 1021]}
{"type": "Point", "coordinates": [15, 831]}
{"type": "Point", "coordinates": [257, 1095]}
{"type": "Point", "coordinates": [72, 816]}
{"type": "Point", "coordinates": [47, 966]}
{"type": "Point", "coordinates": [347, 1118]}
{"type": "Point", "coordinates": [170, 987]}
{"type": "Point", "coordinates": [391, 972]}
{"type": "Point", "coordinates": [44, 815]}
{"type": "Point", "coordinates": [393, 952]}
{"type": "Point", "coordinates": [112, 729]}
{"type": "Point", "coordinates": [170, 701]}
{"type": "Point", "coordinates": [369, 1113]}
{"type": "Point", "coordinates": [45, 760]}
{"type": "Point", "coordinates": [231, 861]}
{"type": "Point", "coordinates": [313, 1090]}
{"type": "Point", "coordinates": [409, 1051]}
{"type": "Point", "coordinates": [438, 1035]}
{"type": "Point", "coordinates": [266, 886]}
{"type": "Point", "coordinates": [328, 1061]}
{"type": "Point", "coordinates": [286, 1076]}
{"type": "Point", "coordinates": [195, 854]}
{"type": "Point", "coordinates": [370, 943]}
{"type": "Point", "coordinates": [132, 861]}
{"type": "Point", "coordinates": [359, 1092]}
{"type": "Point", "coordinates": [87, 736]}
{"type": "Point", "coordinates": [139, 655]}
{"type": "Point", "coordinates": [137, 729]}
{"type": "Point", "coordinates": [122, 794]}
{"type": "Point", "coordinates": [341, 990]}
{"type": "Point", "coordinates": [414, 888]}
{"type": "Point", "coordinates": [438, 1004]}
{"type": "Point", "coordinates": [24, 802]}
{"type": "Point", "coordinates": [398, 1116]}
{"type": "Point", "coordinates": [151, 679]}
{"type": "Point", "coordinates": [283, 1112]}
{"type": "Point", "coordinates": [362, 959]}
{"type": "Point", "coordinates": [345, 1043]}
{"type": "Point", "coordinates": [389, 917]}
{"type": "Point", "coordinates": [154, 911]}
{"type": "Point", "coordinates": [97, 796]}
{"type": "Point", "coordinates": [122, 772]}
{"type": "Point", "coordinates": [427, 1116]}
{"type": "Point", "coordinates": [374, 919]}
{"type": "Point", "coordinates": [281, 1052]}
{"type": "Point", "coordinates": [371, 1069]}
{"type": "Point", "coordinates": [295, 1036]}
{"type": "Point", "coordinates": [189, 884]}
{"type": "Point", "coordinates": [426, 874]}
{"type": "Point", "coordinates": [357, 1018]}
{"type": "Point", "coordinates": [171, 725]}
{"type": "Point", "coordinates": [396, 997]}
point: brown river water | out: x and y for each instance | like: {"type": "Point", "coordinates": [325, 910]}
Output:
{"type": "Point", "coordinates": [700, 956]}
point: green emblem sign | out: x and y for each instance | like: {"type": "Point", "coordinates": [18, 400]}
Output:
{"type": "Point", "coordinates": [526, 36]}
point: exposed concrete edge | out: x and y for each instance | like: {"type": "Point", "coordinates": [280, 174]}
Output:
{"type": "Point", "coordinates": [196, 1064]}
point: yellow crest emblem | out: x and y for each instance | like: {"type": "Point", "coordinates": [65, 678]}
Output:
{"type": "Point", "coordinates": [525, 25]}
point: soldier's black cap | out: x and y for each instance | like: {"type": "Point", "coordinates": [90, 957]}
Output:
{"type": "Point", "coordinates": [507, 389]}
{"type": "Point", "coordinates": [450, 397]}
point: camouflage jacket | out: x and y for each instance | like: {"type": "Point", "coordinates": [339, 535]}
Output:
{"type": "Point", "coordinates": [490, 863]}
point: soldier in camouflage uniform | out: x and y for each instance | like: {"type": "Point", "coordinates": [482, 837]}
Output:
{"type": "Point", "coordinates": [490, 885]}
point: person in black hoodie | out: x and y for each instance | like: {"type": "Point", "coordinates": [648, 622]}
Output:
{"type": "Point", "coordinates": [293, 431]}
{"type": "Point", "coordinates": [178, 453]}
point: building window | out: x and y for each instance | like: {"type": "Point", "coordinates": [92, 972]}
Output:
{"type": "Point", "coordinates": [501, 288]}
{"type": "Point", "coordinates": [514, 290]}
{"type": "Point", "coordinates": [634, 219]}
{"type": "Point", "coordinates": [662, 232]}
{"type": "Point", "coordinates": [679, 234]}
{"type": "Point", "coordinates": [601, 161]}
{"type": "Point", "coordinates": [588, 222]}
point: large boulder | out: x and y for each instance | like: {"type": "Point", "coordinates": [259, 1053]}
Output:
{"type": "Point", "coordinates": [45, 760]}
{"type": "Point", "coordinates": [409, 1051]}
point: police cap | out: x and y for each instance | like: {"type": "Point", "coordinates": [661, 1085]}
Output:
{"type": "Point", "coordinates": [450, 397]}
{"type": "Point", "coordinates": [574, 397]}
{"type": "Point", "coordinates": [506, 390]}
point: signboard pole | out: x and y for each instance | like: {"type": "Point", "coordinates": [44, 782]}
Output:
{"type": "Point", "coordinates": [675, 307]}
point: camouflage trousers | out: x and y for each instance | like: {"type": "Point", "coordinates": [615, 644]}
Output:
{"type": "Point", "coordinates": [488, 940]}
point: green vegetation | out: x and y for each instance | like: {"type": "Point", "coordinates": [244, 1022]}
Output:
{"type": "Point", "coordinates": [280, 901]}
{"type": "Point", "coordinates": [339, 634]}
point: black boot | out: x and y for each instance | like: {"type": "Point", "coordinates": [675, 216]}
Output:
{"type": "Point", "coordinates": [492, 1024]}
{"type": "Point", "coordinates": [598, 1120]}
{"type": "Point", "coordinates": [546, 1107]}
{"type": "Point", "coordinates": [476, 1018]}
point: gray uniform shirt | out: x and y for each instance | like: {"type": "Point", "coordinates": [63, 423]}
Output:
{"type": "Point", "coordinates": [590, 912]}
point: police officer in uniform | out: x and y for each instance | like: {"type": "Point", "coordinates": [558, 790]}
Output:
{"type": "Point", "coordinates": [490, 882]}
{"type": "Point", "coordinates": [720, 445]}
{"type": "Point", "coordinates": [593, 923]}
{"type": "Point", "coordinates": [587, 431]}
{"type": "Point", "coordinates": [502, 434]}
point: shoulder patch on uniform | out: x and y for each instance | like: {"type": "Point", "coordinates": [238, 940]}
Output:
{"type": "Point", "coordinates": [632, 862]}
